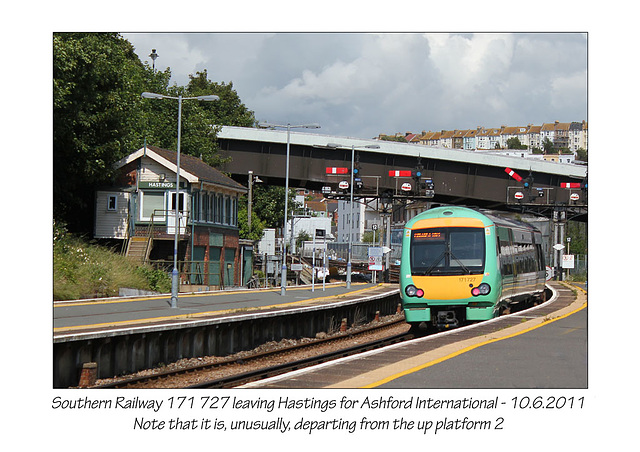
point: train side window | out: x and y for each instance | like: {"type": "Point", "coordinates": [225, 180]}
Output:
{"type": "Point", "coordinates": [540, 253]}
{"type": "Point", "coordinates": [506, 251]}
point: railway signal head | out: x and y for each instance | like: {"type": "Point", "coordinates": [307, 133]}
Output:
{"type": "Point", "coordinates": [528, 182]}
{"type": "Point", "coordinates": [513, 174]}
{"type": "Point", "coordinates": [399, 173]}
{"type": "Point", "coordinates": [336, 170]}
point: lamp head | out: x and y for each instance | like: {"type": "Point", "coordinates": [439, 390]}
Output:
{"type": "Point", "coordinates": [147, 95]}
{"type": "Point", "coordinates": [208, 98]}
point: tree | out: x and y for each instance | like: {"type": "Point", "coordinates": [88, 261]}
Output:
{"type": "Point", "coordinates": [582, 154]}
{"type": "Point", "coordinates": [200, 120]}
{"type": "Point", "coordinates": [547, 145]}
{"type": "Point", "coordinates": [514, 143]}
{"type": "Point", "coordinates": [257, 225]}
{"type": "Point", "coordinates": [401, 139]}
{"type": "Point", "coordinates": [268, 204]}
{"type": "Point", "coordinates": [99, 117]}
{"type": "Point", "coordinates": [303, 236]}
{"type": "Point", "coordinates": [97, 81]}
{"type": "Point", "coordinates": [578, 233]}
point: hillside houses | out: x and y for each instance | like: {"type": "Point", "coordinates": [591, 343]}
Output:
{"type": "Point", "coordinates": [568, 136]}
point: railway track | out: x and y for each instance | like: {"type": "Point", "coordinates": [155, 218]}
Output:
{"type": "Point", "coordinates": [247, 367]}
{"type": "Point", "coordinates": [235, 371]}
{"type": "Point", "coordinates": [260, 374]}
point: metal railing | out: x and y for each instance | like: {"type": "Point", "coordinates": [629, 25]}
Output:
{"type": "Point", "coordinates": [200, 273]}
{"type": "Point", "coordinates": [359, 251]}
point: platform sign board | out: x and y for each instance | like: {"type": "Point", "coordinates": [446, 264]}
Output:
{"type": "Point", "coordinates": [567, 261]}
{"type": "Point", "coordinates": [296, 267]}
{"type": "Point", "coordinates": [549, 273]}
{"type": "Point", "coordinates": [375, 258]}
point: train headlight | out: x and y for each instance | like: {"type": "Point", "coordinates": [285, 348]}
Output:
{"type": "Point", "coordinates": [413, 291]}
{"type": "Point", "coordinates": [482, 289]}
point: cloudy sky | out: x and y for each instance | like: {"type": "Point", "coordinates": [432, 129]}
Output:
{"type": "Point", "coordinates": [363, 84]}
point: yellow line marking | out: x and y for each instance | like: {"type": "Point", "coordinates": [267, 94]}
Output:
{"type": "Point", "coordinates": [204, 314]}
{"type": "Point", "coordinates": [467, 349]}
{"type": "Point", "coordinates": [571, 330]}
{"type": "Point", "coordinates": [67, 303]}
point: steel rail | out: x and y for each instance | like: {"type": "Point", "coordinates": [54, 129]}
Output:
{"type": "Point", "coordinates": [133, 382]}
{"type": "Point", "coordinates": [260, 374]}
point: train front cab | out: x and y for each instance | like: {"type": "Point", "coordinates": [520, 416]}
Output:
{"type": "Point", "coordinates": [449, 272]}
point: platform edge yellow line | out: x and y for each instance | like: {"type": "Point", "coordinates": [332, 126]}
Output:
{"type": "Point", "coordinates": [465, 350]}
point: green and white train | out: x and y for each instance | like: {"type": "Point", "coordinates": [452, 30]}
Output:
{"type": "Point", "coordinates": [461, 265]}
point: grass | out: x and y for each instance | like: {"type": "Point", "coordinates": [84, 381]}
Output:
{"type": "Point", "coordinates": [88, 270]}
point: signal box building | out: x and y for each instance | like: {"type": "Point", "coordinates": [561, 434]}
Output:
{"type": "Point", "coordinates": [140, 211]}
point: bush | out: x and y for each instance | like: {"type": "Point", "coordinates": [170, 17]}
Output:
{"type": "Point", "coordinates": [159, 280]}
{"type": "Point", "coordinates": [88, 270]}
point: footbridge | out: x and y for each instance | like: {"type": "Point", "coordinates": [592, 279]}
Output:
{"type": "Point", "coordinates": [458, 176]}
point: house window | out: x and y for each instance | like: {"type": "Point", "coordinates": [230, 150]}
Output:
{"type": "Point", "coordinates": [227, 210]}
{"type": "Point", "coordinates": [112, 203]}
{"type": "Point", "coordinates": [212, 208]}
{"type": "Point", "coordinates": [205, 206]}
{"type": "Point", "coordinates": [219, 209]}
{"type": "Point", "coordinates": [195, 204]}
{"type": "Point", "coordinates": [234, 217]}
{"type": "Point", "coordinates": [152, 202]}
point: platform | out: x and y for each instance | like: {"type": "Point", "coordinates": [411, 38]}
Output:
{"type": "Point", "coordinates": [85, 315]}
{"type": "Point", "coordinates": [542, 347]}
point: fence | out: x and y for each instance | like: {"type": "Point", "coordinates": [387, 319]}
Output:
{"type": "Point", "coordinates": [580, 266]}
{"type": "Point", "coordinates": [359, 251]}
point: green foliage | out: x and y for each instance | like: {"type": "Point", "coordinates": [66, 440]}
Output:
{"type": "Point", "coordinates": [84, 270]}
{"type": "Point", "coordinates": [371, 236]}
{"type": "Point", "coordinates": [200, 120]}
{"type": "Point", "coordinates": [547, 145]}
{"type": "Point", "coordinates": [97, 80]}
{"type": "Point", "coordinates": [393, 138]}
{"type": "Point", "coordinates": [583, 155]}
{"type": "Point", "coordinates": [303, 236]}
{"type": "Point", "coordinates": [514, 143]}
{"type": "Point", "coordinates": [159, 280]}
{"type": "Point", "coordinates": [268, 204]}
{"type": "Point", "coordinates": [99, 117]}
{"type": "Point", "coordinates": [257, 225]}
{"type": "Point", "coordinates": [579, 240]}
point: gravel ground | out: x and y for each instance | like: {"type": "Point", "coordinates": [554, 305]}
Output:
{"type": "Point", "coordinates": [343, 340]}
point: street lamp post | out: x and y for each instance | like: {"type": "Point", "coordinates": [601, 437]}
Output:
{"type": "Point", "coordinates": [353, 151]}
{"type": "Point", "coordinates": [252, 180]}
{"type": "Point", "coordinates": [174, 274]}
{"type": "Point", "coordinates": [288, 126]}
{"type": "Point", "coordinates": [153, 56]}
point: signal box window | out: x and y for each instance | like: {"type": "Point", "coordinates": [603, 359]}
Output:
{"type": "Point", "coordinates": [112, 203]}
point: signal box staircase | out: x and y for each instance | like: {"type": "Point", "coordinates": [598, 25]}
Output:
{"type": "Point", "coordinates": [138, 249]}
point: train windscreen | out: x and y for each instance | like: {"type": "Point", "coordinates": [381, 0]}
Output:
{"type": "Point", "coordinates": [447, 251]}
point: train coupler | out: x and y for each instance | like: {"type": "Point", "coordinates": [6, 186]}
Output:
{"type": "Point", "coordinates": [446, 319]}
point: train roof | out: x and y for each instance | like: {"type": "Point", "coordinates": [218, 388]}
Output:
{"type": "Point", "coordinates": [491, 215]}
{"type": "Point", "coordinates": [509, 222]}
